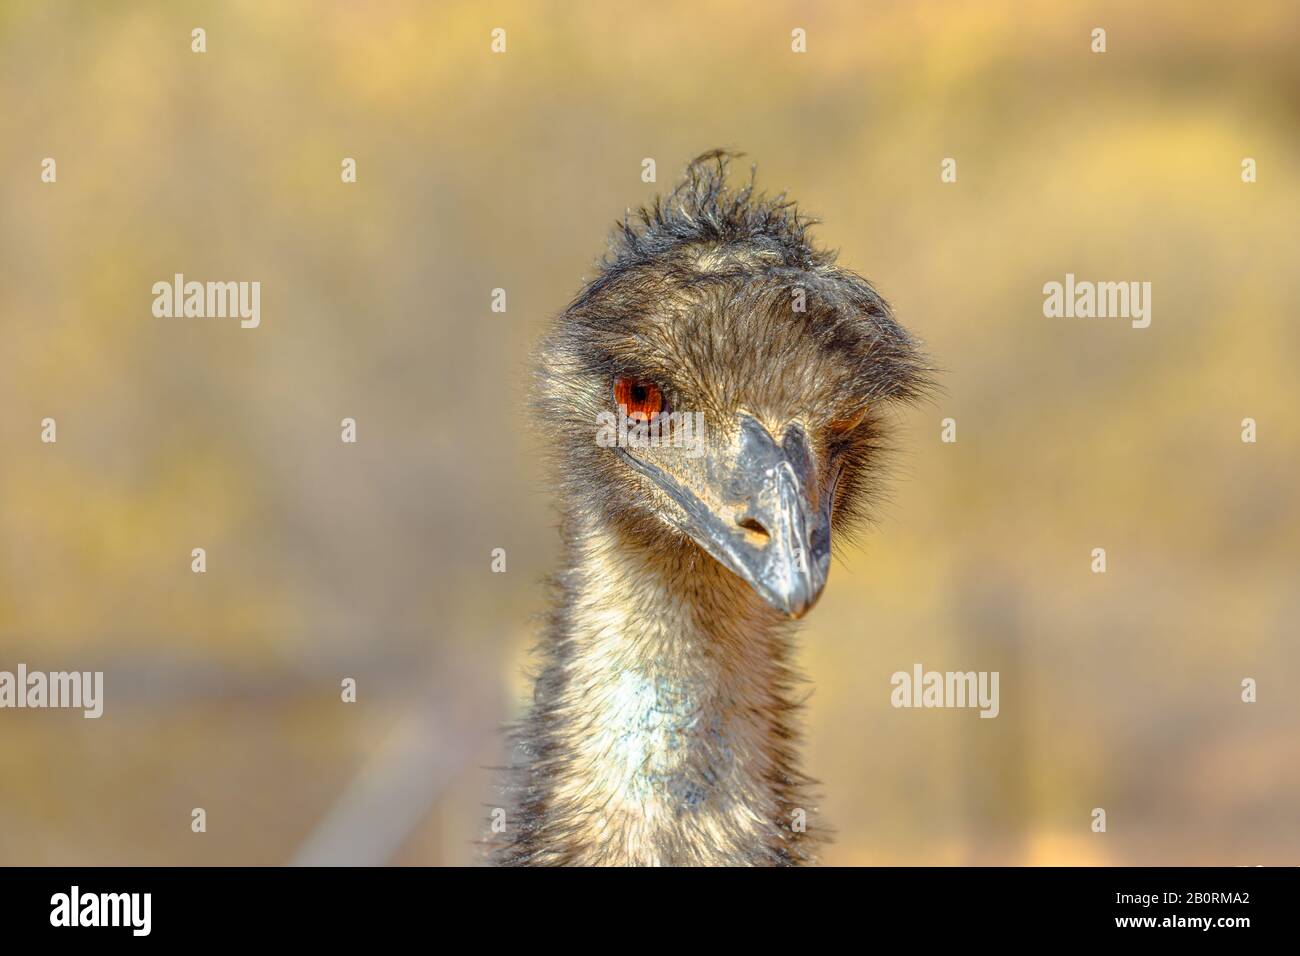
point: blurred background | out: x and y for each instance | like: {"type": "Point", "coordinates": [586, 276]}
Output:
{"type": "Point", "coordinates": [477, 171]}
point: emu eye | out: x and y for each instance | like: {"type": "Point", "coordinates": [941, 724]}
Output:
{"type": "Point", "coordinates": [642, 399]}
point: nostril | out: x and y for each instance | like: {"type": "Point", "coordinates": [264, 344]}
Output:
{"type": "Point", "coordinates": [757, 533]}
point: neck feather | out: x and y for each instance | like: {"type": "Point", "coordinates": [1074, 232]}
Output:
{"type": "Point", "coordinates": [662, 725]}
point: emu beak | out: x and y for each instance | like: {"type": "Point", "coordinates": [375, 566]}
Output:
{"type": "Point", "coordinates": [756, 508]}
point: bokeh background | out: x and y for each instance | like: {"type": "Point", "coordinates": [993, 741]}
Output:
{"type": "Point", "coordinates": [479, 171]}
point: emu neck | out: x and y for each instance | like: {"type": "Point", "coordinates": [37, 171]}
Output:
{"type": "Point", "coordinates": [664, 706]}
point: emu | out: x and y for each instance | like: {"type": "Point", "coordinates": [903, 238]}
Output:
{"type": "Point", "coordinates": [662, 730]}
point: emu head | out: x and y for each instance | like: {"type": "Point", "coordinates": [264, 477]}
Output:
{"type": "Point", "coordinates": [714, 309]}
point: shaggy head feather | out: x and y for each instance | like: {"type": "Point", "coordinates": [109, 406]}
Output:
{"type": "Point", "coordinates": [662, 729]}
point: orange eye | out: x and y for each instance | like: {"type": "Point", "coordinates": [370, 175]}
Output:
{"type": "Point", "coordinates": [641, 399]}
